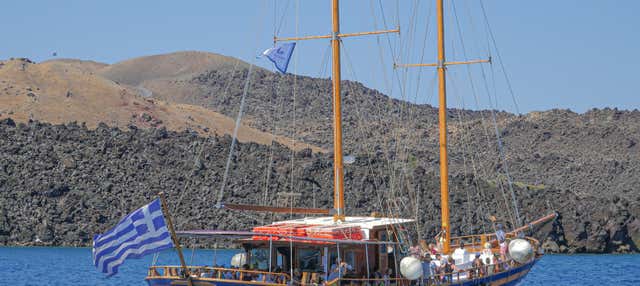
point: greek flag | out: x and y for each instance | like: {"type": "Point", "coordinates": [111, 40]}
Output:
{"type": "Point", "coordinates": [280, 55]}
{"type": "Point", "coordinates": [140, 233]}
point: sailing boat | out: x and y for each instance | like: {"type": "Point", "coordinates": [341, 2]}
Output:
{"type": "Point", "coordinates": [335, 248]}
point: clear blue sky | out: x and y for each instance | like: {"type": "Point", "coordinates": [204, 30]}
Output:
{"type": "Point", "coordinates": [558, 54]}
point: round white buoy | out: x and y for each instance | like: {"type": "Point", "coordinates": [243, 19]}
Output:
{"type": "Point", "coordinates": [520, 250]}
{"type": "Point", "coordinates": [239, 259]}
{"type": "Point", "coordinates": [411, 268]}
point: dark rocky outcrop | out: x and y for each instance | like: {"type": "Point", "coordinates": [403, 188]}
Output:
{"type": "Point", "coordinates": [61, 184]}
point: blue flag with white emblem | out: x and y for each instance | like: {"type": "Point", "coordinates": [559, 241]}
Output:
{"type": "Point", "coordinates": [280, 55]}
{"type": "Point", "coordinates": [142, 232]}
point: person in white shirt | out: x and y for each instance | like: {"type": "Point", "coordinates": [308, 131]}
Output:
{"type": "Point", "coordinates": [460, 255]}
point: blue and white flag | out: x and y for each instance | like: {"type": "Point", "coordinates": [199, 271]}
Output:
{"type": "Point", "coordinates": [280, 55]}
{"type": "Point", "coordinates": [140, 233]}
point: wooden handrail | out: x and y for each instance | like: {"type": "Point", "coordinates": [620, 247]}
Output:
{"type": "Point", "coordinates": [219, 269]}
{"type": "Point", "coordinates": [510, 234]}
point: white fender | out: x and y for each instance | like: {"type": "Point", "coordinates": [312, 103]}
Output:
{"type": "Point", "coordinates": [520, 250]}
{"type": "Point", "coordinates": [411, 268]}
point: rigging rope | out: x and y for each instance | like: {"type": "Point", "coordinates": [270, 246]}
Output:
{"type": "Point", "coordinates": [466, 144]}
{"type": "Point", "coordinates": [495, 46]}
{"type": "Point", "coordinates": [505, 165]}
{"type": "Point", "coordinates": [265, 198]}
{"type": "Point", "coordinates": [492, 112]}
{"type": "Point", "coordinates": [196, 167]}
{"type": "Point", "coordinates": [235, 135]}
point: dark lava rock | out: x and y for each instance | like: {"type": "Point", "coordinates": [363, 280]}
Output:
{"type": "Point", "coordinates": [61, 184]}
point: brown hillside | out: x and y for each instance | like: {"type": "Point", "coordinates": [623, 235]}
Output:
{"type": "Point", "coordinates": [167, 66]}
{"type": "Point", "coordinates": [64, 91]}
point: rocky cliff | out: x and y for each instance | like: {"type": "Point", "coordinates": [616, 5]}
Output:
{"type": "Point", "coordinates": [61, 184]}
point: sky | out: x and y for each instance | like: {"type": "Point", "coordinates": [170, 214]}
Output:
{"type": "Point", "coordinates": [567, 54]}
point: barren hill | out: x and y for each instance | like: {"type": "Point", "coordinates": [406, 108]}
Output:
{"type": "Point", "coordinates": [62, 91]}
{"type": "Point", "coordinates": [84, 65]}
{"type": "Point", "coordinates": [166, 66]}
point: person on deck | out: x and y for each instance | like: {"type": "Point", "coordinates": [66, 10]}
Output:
{"type": "Point", "coordinates": [440, 240]}
{"type": "Point", "coordinates": [269, 278]}
{"type": "Point", "coordinates": [227, 275]}
{"type": "Point", "coordinates": [343, 265]}
{"type": "Point", "coordinates": [501, 236]}
{"type": "Point", "coordinates": [415, 251]}
{"type": "Point", "coordinates": [335, 274]}
{"type": "Point", "coordinates": [387, 277]}
{"type": "Point", "coordinates": [498, 264]}
{"type": "Point", "coordinates": [487, 253]}
{"type": "Point", "coordinates": [432, 249]}
{"type": "Point", "coordinates": [447, 270]}
{"type": "Point", "coordinates": [297, 276]}
{"type": "Point", "coordinates": [488, 266]}
{"type": "Point", "coordinates": [426, 269]}
{"type": "Point", "coordinates": [478, 266]}
{"type": "Point", "coordinates": [434, 265]}
{"type": "Point", "coordinates": [460, 254]}
{"type": "Point", "coordinates": [247, 277]}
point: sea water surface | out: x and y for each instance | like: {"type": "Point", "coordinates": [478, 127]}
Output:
{"type": "Point", "coordinates": [73, 266]}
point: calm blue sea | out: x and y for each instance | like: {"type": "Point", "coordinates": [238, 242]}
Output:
{"type": "Point", "coordinates": [73, 266]}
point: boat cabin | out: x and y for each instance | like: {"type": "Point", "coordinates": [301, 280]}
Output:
{"type": "Point", "coordinates": [316, 247]}
{"type": "Point", "coordinates": [307, 251]}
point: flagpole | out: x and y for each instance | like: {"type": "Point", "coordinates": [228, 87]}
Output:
{"type": "Point", "coordinates": [174, 237]}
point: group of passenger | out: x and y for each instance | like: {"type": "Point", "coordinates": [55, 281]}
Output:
{"type": "Point", "coordinates": [438, 269]}
{"type": "Point", "coordinates": [278, 276]}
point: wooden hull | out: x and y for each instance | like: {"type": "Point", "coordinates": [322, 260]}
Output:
{"type": "Point", "coordinates": [507, 278]}
{"type": "Point", "coordinates": [205, 282]}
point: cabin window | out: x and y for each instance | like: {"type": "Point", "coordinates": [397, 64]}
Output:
{"type": "Point", "coordinates": [260, 258]}
{"type": "Point", "coordinates": [283, 256]}
{"type": "Point", "coordinates": [310, 259]}
{"type": "Point", "coordinates": [280, 260]}
{"type": "Point", "coordinates": [383, 247]}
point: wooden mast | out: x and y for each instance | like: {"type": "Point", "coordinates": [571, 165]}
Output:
{"type": "Point", "coordinates": [338, 171]}
{"type": "Point", "coordinates": [442, 115]}
{"type": "Point", "coordinates": [442, 123]}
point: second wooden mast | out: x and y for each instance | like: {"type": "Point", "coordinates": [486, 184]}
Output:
{"type": "Point", "coordinates": [338, 169]}
{"type": "Point", "coordinates": [441, 65]}
{"type": "Point", "coordinates": [442, 119]}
